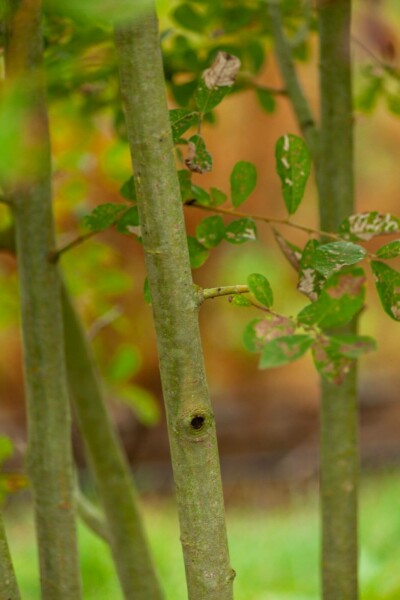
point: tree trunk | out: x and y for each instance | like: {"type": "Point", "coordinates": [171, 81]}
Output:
{"type": "Point", "coordinates": [339, 421]}
{"type": "Point", "coordinates": [190, 418]}
{"type": "Point", "coordinates": [111, 471]}
{"type": "Point", "coordinates": [49, 460]}
{"type": "Point", "coordinates": [8, 583]}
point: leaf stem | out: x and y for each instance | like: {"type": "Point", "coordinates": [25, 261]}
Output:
{"type": "Point", "coordinates": [235, 213]}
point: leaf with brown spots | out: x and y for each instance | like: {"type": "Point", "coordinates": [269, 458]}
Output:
{"type": "Point", "coordinates": [341, 298]}
{"type": "Point", "coordinates": [387, 282]}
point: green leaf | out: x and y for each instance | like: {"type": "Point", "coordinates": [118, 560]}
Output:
{"type": "Point", "coordinates": [284, 350]}
{"type": "Point", "coordinates": [240, 231]}
{"type": "Point", "coordinates": [190, 18]}
{"type": "Point", "coordinates": [293, 165]}
{"type": "Point", "coordinates": [103, 216]}
{"type": "Point", "coordinates": [146, 291]}
{"type": "Point", "coordinates": [143, 403]}
{"type": "Point", "coordinates": [197, 252]}
{"type": "Point", "coordinates": [310, 281]}
{"type": "Point", "coordinates": [331, 257]}
{"type": "Point", "coordinates": [240, 300]}
{"type": "Point", "coordinates": [266, 100]}
{"type": "Point", "coordinates": [364, 226]}
{"type": "Point", "coordinates": [387, 282]}
{"type": "Point", "coordinates": [207, 99]}
{"type": "Point", "coordinates": [243, 181]}
{"type": "Point", "coordinates": [289, 250]}
{"type": "Point", "coordinates": [261, 331]}
{"type": "Point", "coordinates": [390, 250]}
{"type": "Point", "coordinates": [260, 287]}
{"type": "Point", "coordinates": [334, 357]}
{"type": "Point", "coordinates": [340, 299]}
{"type": "Point", "coordinates": [332, 366]}
{"type": "Point", "coordinates": [393, 103]}
{"type": "Point", "coordinates": [183, 93]}
{"type": "Point", "coordinates": [217, 197]}
{"type": "Point", "coordinates": [369, 95]}
{"type": "Point", "coordinates": [129, 222]}
{"type": "Point", "coordinates": [124, 364]}
{"type": "Point", "coordinates": [6, 448]}
{"type": "Point", "coordinates": [200, 195]}
{"type": "Point", "coordinates": [199, 160]}
{"type": "Point", "coordinates": [128, 190]}
{"type": "Point", "coordinates": [216, 81]}
{"type": "Point", "coordinates": [256, 54]}
{"type": "Point", "coordinates": [185, 184]}
{"type": "Point", "coordinates": [181, 120]}
{"type": "Point", "coordinates": [210, 232]}
{"type": "Point", "coordinates": [353, 346]}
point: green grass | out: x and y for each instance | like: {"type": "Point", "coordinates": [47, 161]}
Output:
{"type": "Point", "coordinates": [274, 551]}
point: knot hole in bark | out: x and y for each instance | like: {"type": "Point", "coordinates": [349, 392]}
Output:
{"type": "Point", "coordinates": [197, 422]}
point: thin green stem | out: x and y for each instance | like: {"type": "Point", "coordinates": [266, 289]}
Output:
{"type": "Point", "coordinates": [91, 516]}
{"type": "Point", "coordinates": [8, 582]}
{"type": "Point", "coordinates": [190, 419]}
{"type": "Point", "coordinates": [55, 255]}
{"type": "Point", "coordinates": [236, 213]}
{"type": "Point", "coordinates": [295, 92]}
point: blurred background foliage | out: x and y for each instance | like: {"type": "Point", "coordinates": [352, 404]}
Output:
{"type": "Point", "coordinates": [267, 421]}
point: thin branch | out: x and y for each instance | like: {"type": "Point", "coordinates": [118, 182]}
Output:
{"type": "Point", "coordinates": [235, 213]}
{"type": "Point", "coordinates": [91, 516]}
{"type": "Point", "coordinates": [384, 65]}
{"type": "Point", "coordinates": [299, 102]}
{"type": "Point", "coordinates": [55, 255]}
{"type": "Point", "coordinates": [227, 290]}
{"type": "Point", "coordinates": [8, 582]}
{"type": "Point", "coordinates": [103, 321]}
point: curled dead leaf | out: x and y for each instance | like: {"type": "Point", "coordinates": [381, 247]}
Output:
{"type": "Point", "coordinates": [223, 71]}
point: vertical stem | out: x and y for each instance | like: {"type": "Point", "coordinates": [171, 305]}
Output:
{"type": "Point", "coordinates": [304, 116]}
{"type": "Point", "coordinates": [339, 426]}
{"type": "Point", "coordinates": [111, 471]}
{"type": "Point", "coordinates": [49, 454]}
{"type": "Point", "coordinates": [190, 418]}
{"type": "Point", "coordinates": [8, 581]}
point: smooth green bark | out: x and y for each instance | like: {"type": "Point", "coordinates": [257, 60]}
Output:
{"type": "Point", "coordinates": [190, 418]}
{"type": "Point", "coordinates": [304, 116]}
{"type": "Point", "coordinates": [49, 461]}
{"type": "Point", "coordinates": [339, 414]}
{"type": "Point", "coordinates": [110, 468]}
{"type": "Point", "coordinates": [331, 147]}
{"type": "Point", "coordinates": [8, 582]}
